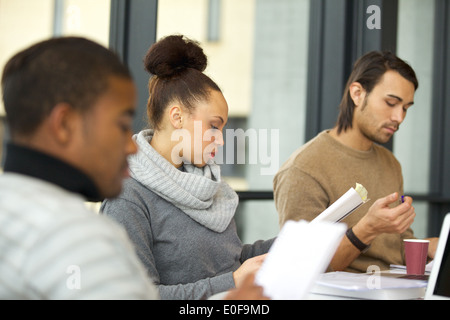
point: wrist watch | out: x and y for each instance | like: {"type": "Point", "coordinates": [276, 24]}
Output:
{"type": "Point", "coordinates": [356, 242]}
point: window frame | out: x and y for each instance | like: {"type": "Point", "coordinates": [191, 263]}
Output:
{"type": "Point", "coordinates": [337, 24]}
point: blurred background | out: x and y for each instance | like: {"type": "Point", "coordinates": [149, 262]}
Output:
{"type": "Point", "coordinates": [282, 65]}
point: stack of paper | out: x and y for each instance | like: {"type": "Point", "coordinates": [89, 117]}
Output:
{"type": "Point", "coordinates": [345, 205]}
{"type": "Point", "coordinates": [402, 268]}
{"type": "Point", "coordinates": [368, 286]}
{"type": "Point", "coordinates": [301, 252]}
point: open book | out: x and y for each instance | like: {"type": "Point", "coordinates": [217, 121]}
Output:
{"type": "Point", "coordinates": [346, 204]}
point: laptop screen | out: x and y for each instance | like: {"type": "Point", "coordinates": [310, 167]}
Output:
{"type": "Point", "coordinates": [442, 287]}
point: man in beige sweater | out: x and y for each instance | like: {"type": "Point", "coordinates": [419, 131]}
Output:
{"type": "Point", "coordinates": [378, 94]}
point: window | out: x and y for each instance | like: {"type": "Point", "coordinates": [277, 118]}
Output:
{"type": "Point", "coordinates": [259, 59]}
{"type": "Point", "coordinates": [272, 59]}
{"type": "Point", "coordinates": [24, 22]}
{"type": "Point", "coordinates": [412, 147]}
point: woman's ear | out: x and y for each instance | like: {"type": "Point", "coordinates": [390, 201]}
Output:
{"type": "Point", "coordinates": [176, 116]}
{"type": "Point", "coordinates": [357, 93]}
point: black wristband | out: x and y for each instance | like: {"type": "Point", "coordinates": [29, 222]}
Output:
{"type": "Point", "coordinates": [356, 242]}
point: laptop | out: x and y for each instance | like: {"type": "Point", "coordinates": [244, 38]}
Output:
{"type": "Point", "coordinates": [439, 282]}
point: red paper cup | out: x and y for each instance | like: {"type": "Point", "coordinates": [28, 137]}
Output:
{"type": "Point", "coordinates": [416, 252]}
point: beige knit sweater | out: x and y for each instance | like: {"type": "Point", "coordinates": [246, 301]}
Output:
{"type": "Point", "coordinates": [321, 171]}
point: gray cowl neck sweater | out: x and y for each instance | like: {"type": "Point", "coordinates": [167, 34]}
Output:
{"type": "Point", "coordinates": [198, 192]}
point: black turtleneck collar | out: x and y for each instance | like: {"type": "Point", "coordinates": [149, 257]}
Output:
{"type": "Point", "coordinates": [30, 162]}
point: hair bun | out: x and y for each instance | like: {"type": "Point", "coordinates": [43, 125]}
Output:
{"type": "Point", "coordinates": [174, 54]}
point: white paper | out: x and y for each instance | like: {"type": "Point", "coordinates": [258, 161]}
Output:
{"type": "Point", "coordinates": [341, 208]}
{"type": "Point", "coordinates": [364, 281]}
{"type": "Point", "coordinates": [402, 268]}
{"type": "Point", "coordinates": [301, 252]}
{"type": "Point", "coordinates": [375, 286]}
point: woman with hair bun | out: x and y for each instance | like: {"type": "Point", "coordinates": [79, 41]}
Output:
{"type": "Point", "coordinates": [175, 206]}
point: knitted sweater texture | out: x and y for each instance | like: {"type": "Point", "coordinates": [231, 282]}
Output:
{"type": "Point", "coordinates": [321, 171]}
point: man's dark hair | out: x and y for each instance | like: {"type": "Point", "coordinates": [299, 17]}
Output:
{"type": "Point", "coordinates": [368, 71]}
{"type": "Point", "coordinates": [72, 70]}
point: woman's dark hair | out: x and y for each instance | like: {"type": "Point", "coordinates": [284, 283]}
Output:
{"type": "Point", "coordinates": [368, 71]}
{"type": "Point", "coordinates": [177, 64]}
{"type": "Point", "coordinates": [72, 70]}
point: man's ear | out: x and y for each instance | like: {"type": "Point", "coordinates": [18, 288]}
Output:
{"type": "Point", "coordinates": [63, 122]}
{"type": "Point", "coordinates": [357, 93]}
